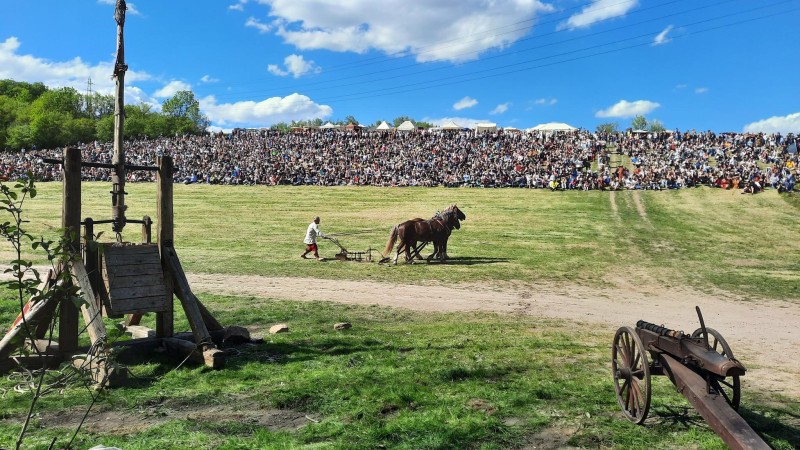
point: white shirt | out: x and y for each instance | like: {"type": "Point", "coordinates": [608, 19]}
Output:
{"type": "Point", "coordinates": [312, 233]}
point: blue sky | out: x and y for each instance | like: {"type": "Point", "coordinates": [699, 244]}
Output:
{"type": "Point", "coordinates": [721, 65]}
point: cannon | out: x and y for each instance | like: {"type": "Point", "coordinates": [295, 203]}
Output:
{"type": "Point", "coordinates": [700, 365]}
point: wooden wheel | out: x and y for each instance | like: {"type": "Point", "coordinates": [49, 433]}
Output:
{"type": "Point", "coordinates": [728, 387]}
{"type": "Point", "coordinates": [631, 371]}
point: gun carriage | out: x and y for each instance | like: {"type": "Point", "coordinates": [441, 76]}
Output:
{"type": "Point", "coordinates": [700, 365]}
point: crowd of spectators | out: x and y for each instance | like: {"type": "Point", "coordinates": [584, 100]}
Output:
{"type": "Point", "coordinates": [580, 159]}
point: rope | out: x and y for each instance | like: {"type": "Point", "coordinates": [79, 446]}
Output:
{"type": "Point", "coordinates": [356, 232]}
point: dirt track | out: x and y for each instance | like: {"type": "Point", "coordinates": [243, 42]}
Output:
{"type": "Point", "coordinates": [764, 335]}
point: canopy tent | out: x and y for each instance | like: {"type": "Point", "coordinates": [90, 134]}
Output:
{"type": "Point", "coordinates": [640, 131]}
{"type": "Point", "coordinates": [511, 129]}
{"type": "Point", "coordinates": [327, 126]}
{"type": "Point", "coordinates": [553, 126]}
{"type": "Point", "coordinates": [450, 125]}
{"type": "Point", "coordinates": [485, 127]}
{"type": "Point", "coordinates": [406, 126]}
{"type": "Point", "coordinates": [383, 126]}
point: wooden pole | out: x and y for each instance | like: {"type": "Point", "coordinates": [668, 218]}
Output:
{"type": "Point", "coordinates": [165, 230]}
{"type": "Point", "coordinates": [118, 176]}
{"type": "Point", "coordinates": [71, 223]}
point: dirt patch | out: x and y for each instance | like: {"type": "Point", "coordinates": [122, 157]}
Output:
{"type": "Point", "coordinates": [762, 334]}
{"type": "Point", "coordinates": [107, 420]}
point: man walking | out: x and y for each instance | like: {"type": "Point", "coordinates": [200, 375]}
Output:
{"type": "Point", "coordinates": [311, 238]}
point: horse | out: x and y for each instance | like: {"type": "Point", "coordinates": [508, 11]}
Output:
{"type": "Point", "coordinates": [437, 229]}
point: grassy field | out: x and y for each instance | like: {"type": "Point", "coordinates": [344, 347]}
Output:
{"type": "Point", "coordinates": [400, 379]}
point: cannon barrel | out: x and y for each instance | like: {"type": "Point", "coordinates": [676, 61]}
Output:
{"type": "Point", "coordinates": [689, 350]}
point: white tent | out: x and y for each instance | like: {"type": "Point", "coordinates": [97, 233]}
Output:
{"type": "Point", "coordinates": [327, 126]}
{"type": "Point", "coordinates": [406, 126]}
{"type": "Point", "coordinates": [485, 127]}
{"type": "Point", "coordinates": [553, 126]}
{"type": "Point", "coordinates": [383, 126]}
{"type": "Point", "coordinates": [450, 125]}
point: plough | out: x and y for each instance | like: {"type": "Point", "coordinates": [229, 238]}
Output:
{"type": "Point", "coordinates": [701, 366]}
{"type": "Point", "coordinates": [345, 255]}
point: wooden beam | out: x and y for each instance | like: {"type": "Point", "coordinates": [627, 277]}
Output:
{"type": "Point", "coordinates": [165, 324]}
{"type": "Point", "coordinates": [71, 223]}
{"type": "Point", "coordinates": [91, 308]}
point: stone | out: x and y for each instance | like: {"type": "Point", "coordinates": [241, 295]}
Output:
{"type": "Point", "coordinates": [342, 326]}
{"type": "Point", "coordinates": [279, 328]}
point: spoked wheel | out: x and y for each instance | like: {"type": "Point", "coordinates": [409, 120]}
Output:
{"type": "Point", "coordinates": [631, 371]}
{"type": "Point", "coordinates": [728, 387]}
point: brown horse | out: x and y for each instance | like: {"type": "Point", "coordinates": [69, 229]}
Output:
{"type": "Point", "coordinates": [437, 229]}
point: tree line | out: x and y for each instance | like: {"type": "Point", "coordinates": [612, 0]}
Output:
{"type": "Point", "coordinates": [33, 115]}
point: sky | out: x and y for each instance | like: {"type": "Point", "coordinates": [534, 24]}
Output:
{"type": "Point", "coordinates": [719, 65]}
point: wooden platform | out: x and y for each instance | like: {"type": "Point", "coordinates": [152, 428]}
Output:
{"type": "Point", "coordinates": [134, 279]}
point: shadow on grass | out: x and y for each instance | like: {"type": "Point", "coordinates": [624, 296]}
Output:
{"type": "Point", "coordinates": [285, 352]}
{"type": "Point", "coordinates": [472, 260]}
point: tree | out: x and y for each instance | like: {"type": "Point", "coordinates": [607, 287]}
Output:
{"type": "Point", "coordinates": [639, 123]}
{"type": "Point", "coordinates": [423, 125]}
{"type": "Point", "coordinates": [22, 91]}
{"type": "Point", "coordinates": [350, 119]}
{"type": "Point", "coordinates": [47, 129]}
{"type": "Point", "coordinates": [79, 130]}
{"type": "Point", "coordinates": [19, 136]}
{"type": "Point", "coordinates": [657, 126]}
{"type": "Point", "coordinates": [65, 100]}
{"type": "Point", "coordinates": [184, 105]}
{"type": "Point", "coordinates": [608, 128]}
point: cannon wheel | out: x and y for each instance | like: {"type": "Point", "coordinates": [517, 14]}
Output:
{"type": "Point", "coordinates": [729, 387]}
{"type": "Point", "coordinates": [631, 370]}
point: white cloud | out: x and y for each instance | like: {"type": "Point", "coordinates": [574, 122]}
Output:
{"type": "Point", "coordinates": [464, 103]}
{"type": "Point", "coordinates": [263, 113]}
{"type": "Point", "coordinates": [701, 90]}
{"type": "Point", "coordinates": [624, 108]}
{"type": "Point", "coordinates": [681, 86]}
{"type": "Point", "coordinates": [661, 38]}
{"type": "Point", "coordinates": [72, 73]}
{"type": "Point", "coordinates": [432, 31]}
{"type": "Point", "coordinates": [296, 65]}
{"type": "Point", "coordinates": [776, 124]}
{"type": "Point", "coordinates": [500, 109]}
{"type": "Point", "coordinates": [172, 88]}
{"type": "Point", "coordinates": [546, 101]}
{"type": "Point", "coordinates": [209, 79]}
{"type": "Point", "coordinates": [239, 6]}
{"type": "Point", "coordinates": [598, 11]}
{"type": "Point", "coordinates": [262, 28]}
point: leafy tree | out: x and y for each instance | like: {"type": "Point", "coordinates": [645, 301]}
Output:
{"type": "Point", "coordinates": [20, 136]}
{"type": "Point", "coordinates": [350, 119]}
{"type": "Point", "coordinates": [656, 126]}
{"type": "Point", "coordinates": [47, 128]}
{"type": "Point", "coordinates": [183, 105]}
{"type": "Point", "coordinates": [639, 123]}
{"type": "Point", "coordinates": [608, 128]}
{"type": "Point", "coordinates": [102, 105]}
{"type": "Point", "coordinates": [157, 125]}
{"type": "Point", "coordinates": [22, 91]}
{"type": "Point", "coordinates": [65, 100]}
{"type": "Point", "coordinates": [280, 126]}
{"type": "Point", "coordinates": [104, 129]}
{"type": "Point", "coordinates": [79, 130]}
{"type": "Point", "coordinates": [423, 125]}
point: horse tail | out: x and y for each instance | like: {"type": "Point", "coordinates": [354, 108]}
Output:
{"type": "Point", "coordinates": [392, 239]}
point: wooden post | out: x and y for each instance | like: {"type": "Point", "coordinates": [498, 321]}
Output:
{"type": "Point", "coordinates": [90, 256]}
{"type": "Point", "coordinates": [147, 230]}
{"type": "Point", "coordinates": [165, 230]}
{"type": "Point", "coordinates": [71, 222]}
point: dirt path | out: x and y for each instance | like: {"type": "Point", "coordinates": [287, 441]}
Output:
{"type": "Point", "coordinates": [764, 335]}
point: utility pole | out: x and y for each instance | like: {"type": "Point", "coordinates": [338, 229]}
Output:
{"type": "Point", "coordinates": [89, 98]}
{"type": "Point", "coordinates": [118, 177]}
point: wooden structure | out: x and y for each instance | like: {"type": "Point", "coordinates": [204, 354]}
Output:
{"type": "Point", "coordinates": [124, 279]}
{"type": "Point", "coordinates": [701, 366]}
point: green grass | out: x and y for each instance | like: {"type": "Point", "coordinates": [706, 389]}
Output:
{"type": "Point", "coordinates": [701, 238]}
{"type": "Point", "coordinates": [400, 379]}
{"type": "Point", "coordinates": [397, 379]}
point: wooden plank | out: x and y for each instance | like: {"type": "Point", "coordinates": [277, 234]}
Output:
{"type": "Point", "coordinates": [149, 269]}
{"type": "Point", "coordinates": [140, 305]}
{"type": "Point", "coordinates": [117, 294]}
{"type": "Point", "coordinates": [91, 308]}
{"type": "Point", "coordinates": [140, 332]}
{"type": "Point", "coordinates": [121, 260]}
{"type": "Point", "coordinates": [102, 373]}
{"type": "Point", "coordinates": [31, 362]}
{"type": "Point", "coordinates": [33, 316]}
{"type": "Point", "coordinates": [210, 357]}
{"type": "Point", "coordinates": [187, 298]}
{"type": "Point", "coordinates": [121, 251]}
{"type": "Point", "coordinates": [137, 280]}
